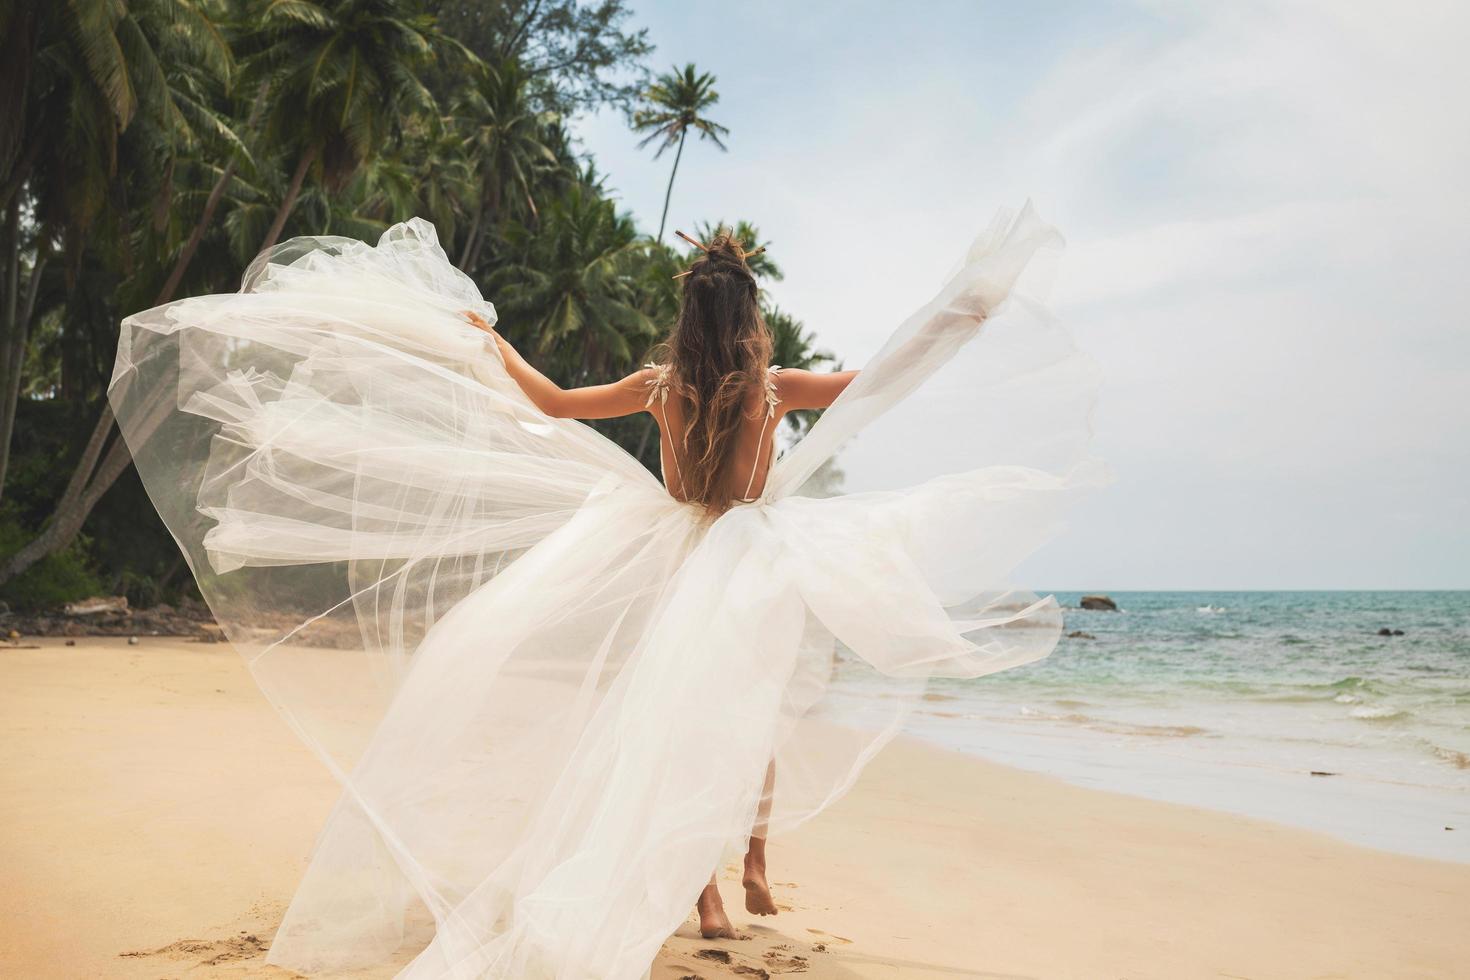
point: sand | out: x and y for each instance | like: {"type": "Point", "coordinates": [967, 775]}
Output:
{"type": "Point", "coordinates": [155, 816]}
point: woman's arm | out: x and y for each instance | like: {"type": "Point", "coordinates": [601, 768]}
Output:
{"type": "Point", "coordinates": [809, 389]}
{"type": "Point", "coordinates": [608, 401]}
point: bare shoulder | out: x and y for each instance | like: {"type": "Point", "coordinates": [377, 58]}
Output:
{"type": "Point", "coordinates": [651, 381]}
{"type": "Point", "coordinates": [800, 389]}
{"type": "Point", "coordinates": [648, 374]}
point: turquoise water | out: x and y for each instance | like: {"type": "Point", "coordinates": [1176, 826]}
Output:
{"type": "Point", "coordinates": [1234, 700]}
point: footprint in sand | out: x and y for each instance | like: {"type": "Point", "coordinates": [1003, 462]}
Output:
{"type": "Point", "coordinates": [724, 958]}
{"type": "Point", "coordinates": [242, 947]}
{"type": "Point", "coordinates": [783, 962]}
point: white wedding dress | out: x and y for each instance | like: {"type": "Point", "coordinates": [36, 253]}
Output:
{"type": "Point", "coordinates": [550, 691]}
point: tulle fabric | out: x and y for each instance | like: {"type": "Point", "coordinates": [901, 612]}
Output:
{"type": "Point", "coordinates": [551, 692]}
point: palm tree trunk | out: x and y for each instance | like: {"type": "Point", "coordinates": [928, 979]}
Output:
{"type": "Point", "coordinates": [470, 239]}
{"type": "Point", "coordinates": [67, 519]}
{"type": "Point", "coordinates": [10, 286]}
{"type": "Point", "coordinates": [492, 216]}
{"type": "Point", "coordinates": [472, 243]}
{"type": "Point", "coordinates": [77, 502]}
{"type": "Point", "coordinates": [289, 201]}
{"type": "Point", "coordinates": [19, 173]}
{"type": "Point", "coordinates": [13, 334]}
{"type": "Point", "coordinates": [670, 192]}
{"type": "Point", "coordinates": [187, 255]}
{"type": "Point", "coordinates": [14, 361]}
{"type": "Point", "coordinates": [9, 324]}
{"type": "Point", "coordinates": [89, 481]}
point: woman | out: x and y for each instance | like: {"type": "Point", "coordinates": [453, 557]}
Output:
{"type": "Point", "coordinates": [556, 692]}
{"type": "Point", "coordinates": [720, 424]}
{"type": "Point", "coordinates": [729, 398]}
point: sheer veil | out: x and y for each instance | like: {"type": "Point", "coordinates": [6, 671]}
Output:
{"type": "Point", "coordinates": [516, 651]}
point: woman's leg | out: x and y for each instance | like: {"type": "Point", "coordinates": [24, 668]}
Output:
{"type": "Point", "coordinates": [713, 922]}
{"type": "Point", "coordinates": [758, 899]}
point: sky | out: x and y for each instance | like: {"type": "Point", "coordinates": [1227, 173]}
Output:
{"type": "Point", "coordinates": [1266, 209]}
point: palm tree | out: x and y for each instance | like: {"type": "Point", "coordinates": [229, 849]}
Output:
{"type": "Point", "coordinates": [509, 138]}
{"type": "Point", "coordinates": [673, 106]}
{"type": "Point", "coordinates": [572, 293]}
{"type": "Point", "coordinates": [429, 175]}
{"type": "Point", "coordinates": [793, 346]}
{"type": "Point", "coordinates": [341, 75]}
{"type": "Point", "coordinates": [114, 95]}
{"type": "Point", "coordinates": [110, 89]}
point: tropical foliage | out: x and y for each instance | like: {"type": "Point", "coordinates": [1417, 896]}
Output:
{"type": "Point", "coordinates": [150, 148]}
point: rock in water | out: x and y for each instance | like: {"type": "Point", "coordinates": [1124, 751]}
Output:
{"type": "Point", "coordinates": [1099, 602]}
{"type": "Point", "coordinates": [1080, 635]}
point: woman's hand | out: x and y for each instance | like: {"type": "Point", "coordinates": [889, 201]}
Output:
{"type": "Point", "coordinates": [477, 321]}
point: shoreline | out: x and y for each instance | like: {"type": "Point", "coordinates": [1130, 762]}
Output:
{"type": "Point", "coordinates": [1396, 817]}
{"type": "Point", "coordinates": [157, 816]}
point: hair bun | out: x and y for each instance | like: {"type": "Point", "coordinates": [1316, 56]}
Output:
{"type": "Point", "coordinates": [724, 246]}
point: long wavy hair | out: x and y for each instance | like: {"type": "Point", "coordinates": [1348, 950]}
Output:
{"type": "Point", "coordinates": [717, 350]}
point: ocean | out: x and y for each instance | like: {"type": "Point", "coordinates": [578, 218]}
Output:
{"type": "Point", "coordinates": [1283, 705]}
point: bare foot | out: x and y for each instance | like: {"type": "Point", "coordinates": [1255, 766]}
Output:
{"type": "Point", "coordinates": [758, 900]}
{"type": "Point", "coordinates": [713, 922]}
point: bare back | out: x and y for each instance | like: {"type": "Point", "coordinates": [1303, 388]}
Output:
{"type": "Point", "coordinates": [754, 450]}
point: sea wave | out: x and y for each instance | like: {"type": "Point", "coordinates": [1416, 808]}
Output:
{"type": "Point", "coordinates": [1379, 712]}
{"type": "Point", "coordinates": [1114, 727]}
{"type": "Point", "coordinates": [1456, 758]}
{"type": "Point", "coordinates": [1348, 690]}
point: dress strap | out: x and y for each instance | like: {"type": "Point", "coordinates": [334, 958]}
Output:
{"type": "Point", "coordinates": [658, 390]}
{"type": "Point", "coordinates": [772, 400]}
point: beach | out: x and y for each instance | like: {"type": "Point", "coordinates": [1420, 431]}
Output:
{"type": "Point", "coordinates": [1292, 707]}
{"type": "Point", "coordinates": [157, 815]}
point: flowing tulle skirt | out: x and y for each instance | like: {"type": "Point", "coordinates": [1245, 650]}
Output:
{"type": "Point", "coordinates": [550, 692]}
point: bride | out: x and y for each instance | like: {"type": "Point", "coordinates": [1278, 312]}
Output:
{"type": "Point", "coordinates": [557, 693]}
{"type": "Point", "coordinates": [728, 402]}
